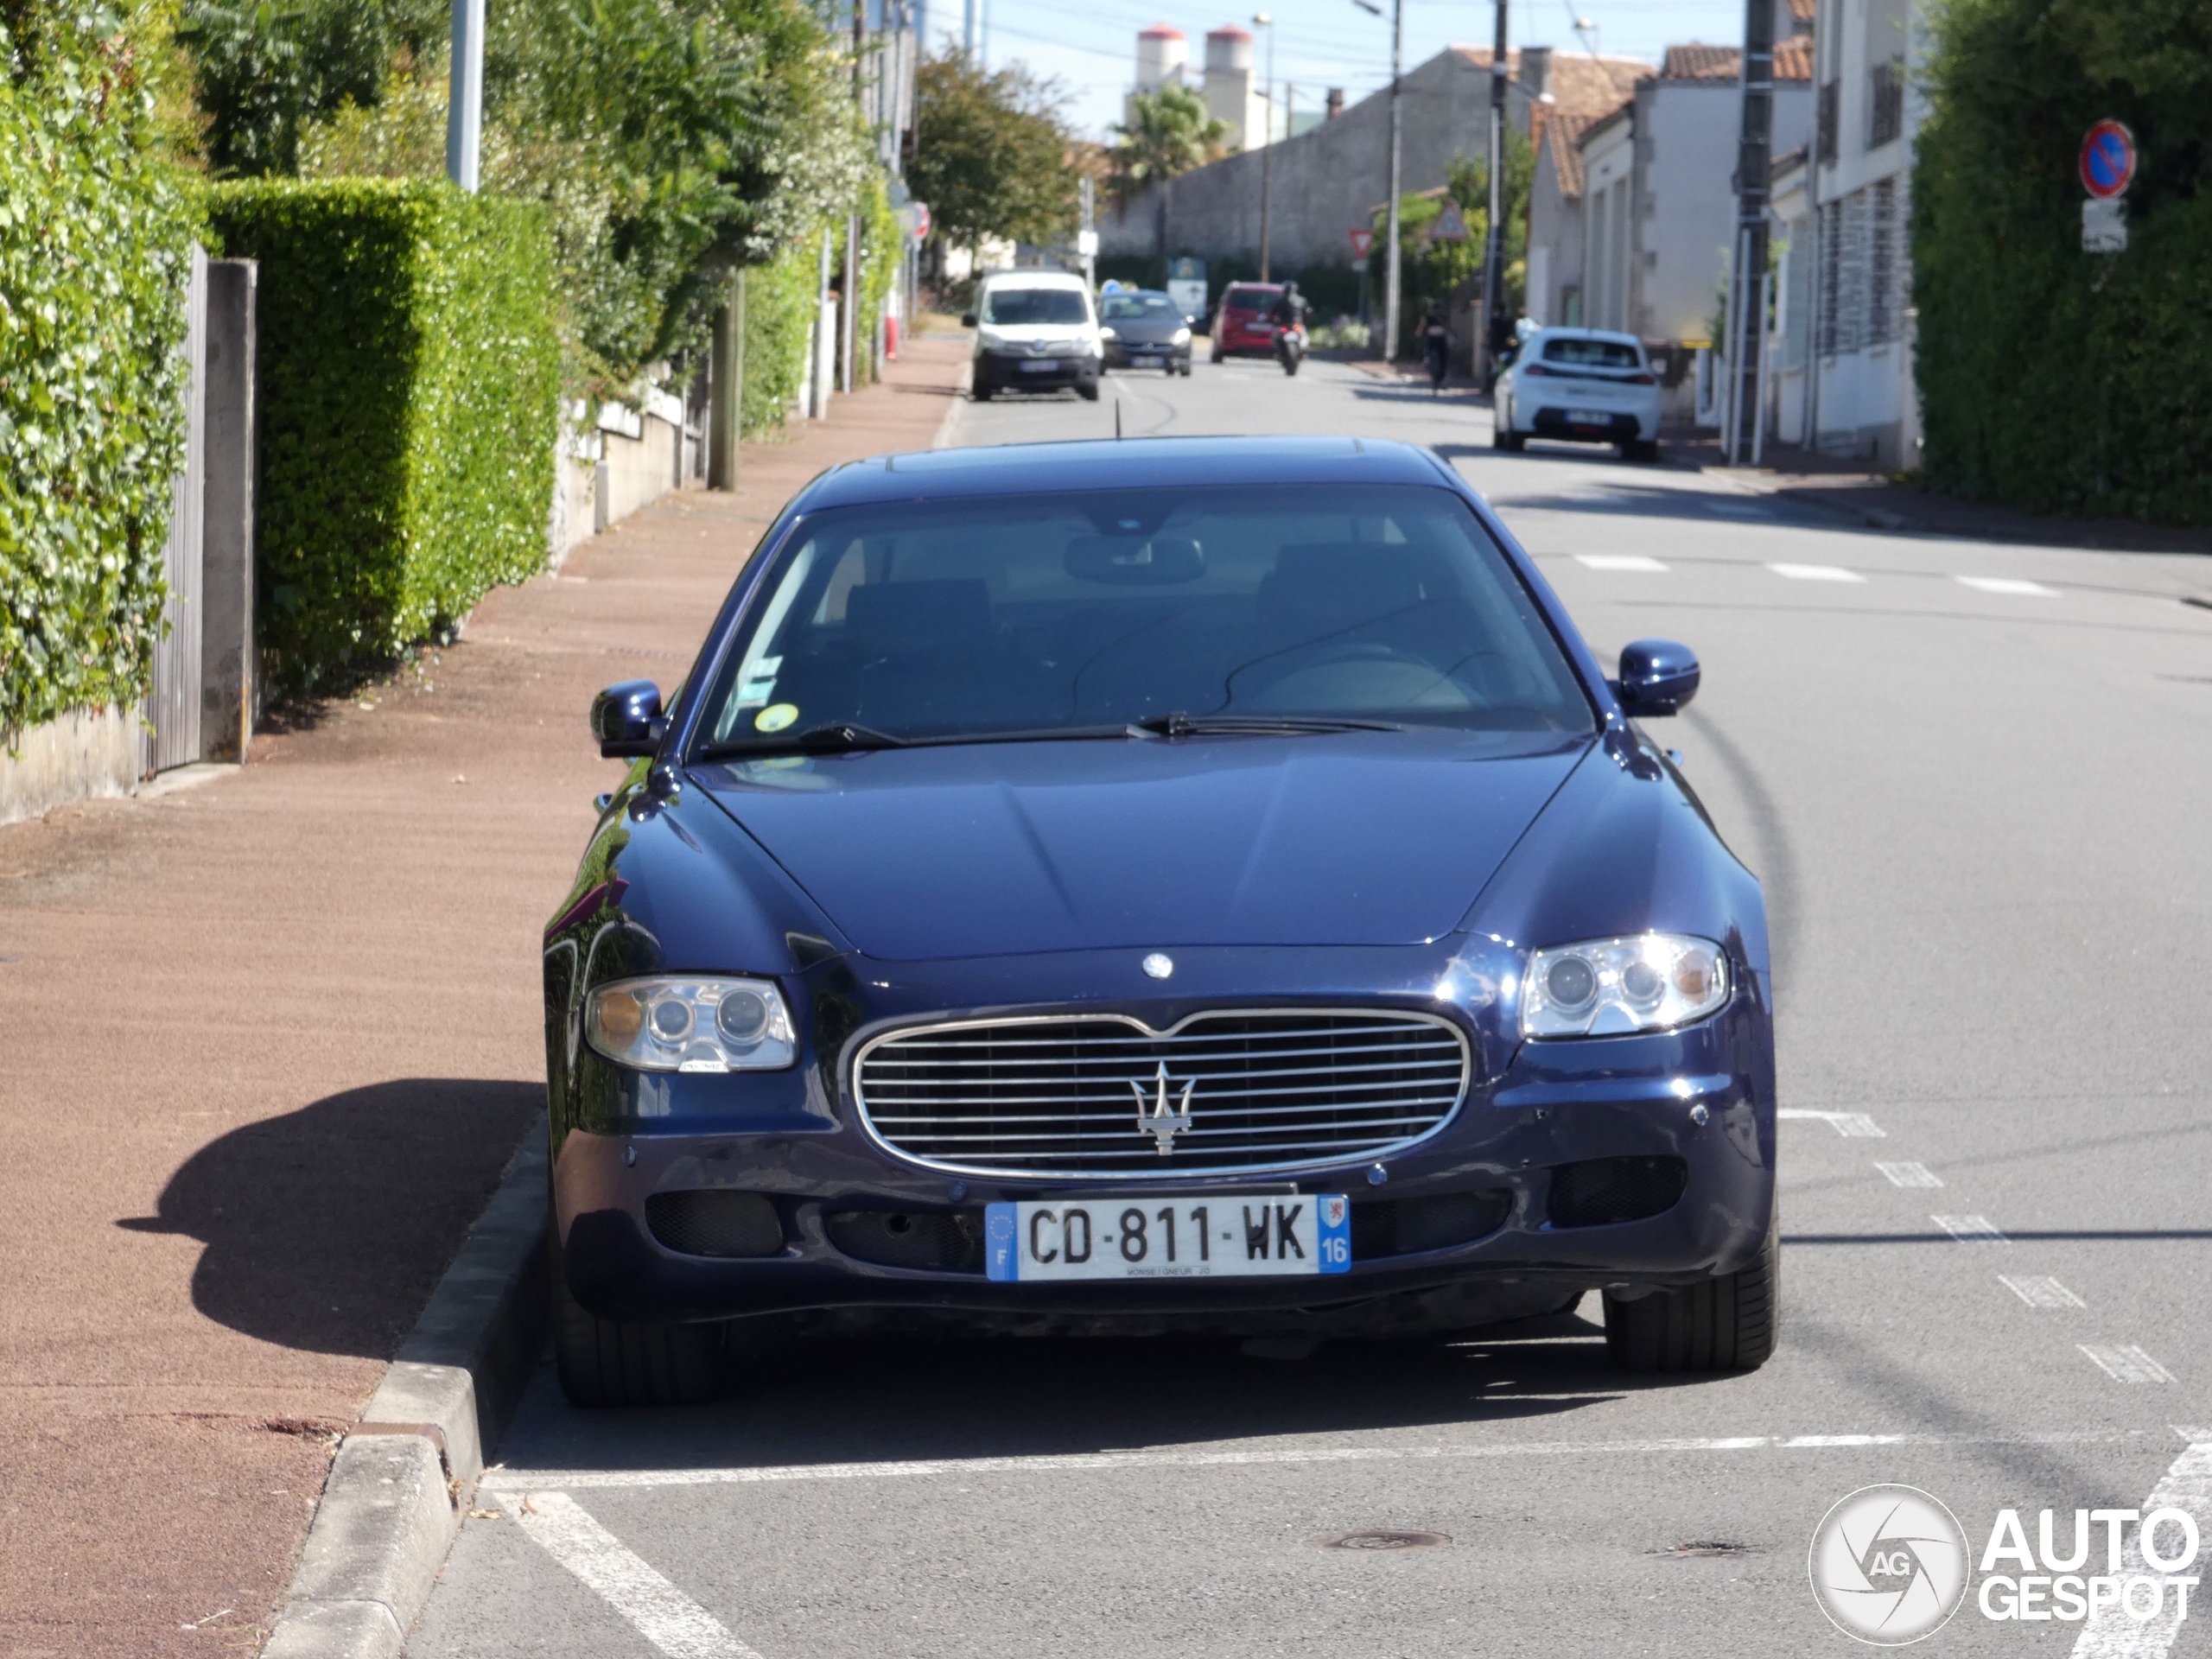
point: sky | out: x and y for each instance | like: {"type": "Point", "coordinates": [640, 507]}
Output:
{"type": "Point", "coordinates": [1089, 46]}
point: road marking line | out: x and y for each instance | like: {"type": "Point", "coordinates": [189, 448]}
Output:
{"type": "Point", "coordinates": [1851, 1125]}
{"type": "Point", "coordinates": [2126, 1364]}
{"type": "Point", "coordinates": [539, 1482]}
{"type": "Point", "coordinates": [663, 1614]}
{"type": "Point", "coordinates": [2008, 585]}
{"type": "Point", "coordinates": [1971, 1230]}
{"type": "Point", "coordinates": [1815, 573]}
{"type": "Point", "coordinates": [1617, 561]}
{"type": "Point", "coordinates": [1910, 1174]}
{"type": "Point", "coordinates": [2040, 1290]}
{"type": "Point", "coordinates": [2187, 1486]}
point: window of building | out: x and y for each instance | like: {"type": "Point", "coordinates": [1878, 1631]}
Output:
{"type": "Point", "coordinates": [1882, 230]}
{"type": "Point", "coordinates": [1831, 276]}
{"type": "Point", "coordinates": [1829, 108]}
{"type": "Point", "coordinates": [1886, 103]}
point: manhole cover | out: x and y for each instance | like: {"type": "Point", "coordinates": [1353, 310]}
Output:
{"type": "Point", "coordinates": [1382, 1540]}
{"type": "Point", "coordinates": [1706, 1549]}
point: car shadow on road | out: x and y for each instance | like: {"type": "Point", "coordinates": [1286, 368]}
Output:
{"type": "Point", "coordinates": [326, 1229]}
{"type": "Point", "coordinates": [896, 1399]}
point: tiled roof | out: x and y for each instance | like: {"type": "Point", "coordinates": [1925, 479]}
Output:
{"type": "Point", "coordinates": [1793, 60]}
{"type": "Point", "coordinates": [1558, 140]}
{"type": "Point", "coordinates": [1578, 84]}
{"type": "Point", "coordinates": [1801, 11]}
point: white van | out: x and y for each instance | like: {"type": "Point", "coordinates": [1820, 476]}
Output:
{"type": "Point", "coordinates": [1035, 331]}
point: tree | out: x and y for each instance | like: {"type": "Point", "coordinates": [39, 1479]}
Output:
{"type": "Point", "coordinates": [1168, 132]}
{"type": "Point", "coordinates": [991, 154]}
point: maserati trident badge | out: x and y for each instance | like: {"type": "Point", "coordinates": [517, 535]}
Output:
{"type": "Point", "coordinates": [1163, 1122]}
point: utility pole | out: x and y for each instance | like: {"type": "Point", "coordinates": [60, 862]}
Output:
{"type": "Point", "coordinates": [968, 30]}
{"type": "Point", "coordinates": [726, 384]}
{"type": "Point", "coordinates": [1086, 234]}
{"type": "Point", "coordinates": [1391, 261]}
{"type": "Point", "coordinates": [1267, 152]}
{"type": "Point", "coordinates": [465, 100]}
{"type": "Point", "coordinates": [1747, 288]}
{"type": "Point", "coordinates": [850, 317]}
{"type": "Point", "coordinates": [1494, 242]}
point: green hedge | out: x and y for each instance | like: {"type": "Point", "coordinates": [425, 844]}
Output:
{"type": "Point", "coordinates": [781, 298]}
{"type": "Point", "coordinates": [408, 382]}
{"type": "Point", "coordinates": [94, 237]}
{"type": "Point", "coordinates": [2052, 378]}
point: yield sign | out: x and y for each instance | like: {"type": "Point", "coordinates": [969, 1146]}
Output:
{"type": "Point", "coordinates": [2107, 160]}
{"type": "Point", "coordinates": [1361, 241]}
{"type": "Point", "coordinates": [1450, 224]}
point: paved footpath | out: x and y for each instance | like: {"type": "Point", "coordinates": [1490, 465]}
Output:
{"type": "Point", "coordinates": [269, 1042]}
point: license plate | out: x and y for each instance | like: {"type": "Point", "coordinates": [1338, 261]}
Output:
{"type": "Point", "coordinates": [1588, 417]}
{"type": "Point", "coordinates": [1046, 365]}
{"type": "Point", "coordinates": [1168, 1238]}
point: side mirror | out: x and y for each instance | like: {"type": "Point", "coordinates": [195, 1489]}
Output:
{"type": "Point", "coordinates": [967, 318]}
{"type": "Point", "coordinates": [627, 720]}
{"type": "Point", "coordinates": [1657, 677]}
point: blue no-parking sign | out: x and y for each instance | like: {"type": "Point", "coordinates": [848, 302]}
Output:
{"type": "Point", "coordinates": [2107, 160]}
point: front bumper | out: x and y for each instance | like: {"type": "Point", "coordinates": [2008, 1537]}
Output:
{"type": "Point", "coordinates": [1702, 1098]}
{"type": "Point", "coordinates": [1021, 371]}
{"type": "Point", "coordinates": [1121, 355]}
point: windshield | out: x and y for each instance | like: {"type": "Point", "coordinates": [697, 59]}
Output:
{"type": "Point", "coordinates": [1024, 306]}
{"type": "Point", "coordinates": [1593, 353]}
{"type": "Point", "coordinates": [1119, 306]}
{"type": "Point", "coordinates": [1040, 613]}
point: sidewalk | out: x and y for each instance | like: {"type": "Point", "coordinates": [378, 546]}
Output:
{"type": "Point", "coordinates": [1842, 485]}
{"type": "Point", "coordinates": [270, 1040]}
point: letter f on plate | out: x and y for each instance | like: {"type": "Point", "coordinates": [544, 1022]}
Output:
{"type": "Point", "coordinates": [1163, 1122]}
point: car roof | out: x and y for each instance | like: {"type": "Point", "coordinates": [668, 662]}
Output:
{"type": "Point", "coordinates": [1614, 334]}
{"type": "Point", "coordinates": [1038, 278]}
{"type": "Point", "coordinates": [1028, 468]}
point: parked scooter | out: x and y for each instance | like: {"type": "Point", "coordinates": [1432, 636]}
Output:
{"type": "Point", "coordinates": [1290, 348]}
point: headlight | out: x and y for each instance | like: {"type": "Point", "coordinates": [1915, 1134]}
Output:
{"type": "Point", "coordinates": [691, 1025]}
{"type": "Point", "coordinates": [989, 339]}
{"type": "Point", "coordinates": [1653, 982]}
{"type": "Point", "coordinates": [1106, 333]}
{"type": "Point", "coordinates": [1182, 337]}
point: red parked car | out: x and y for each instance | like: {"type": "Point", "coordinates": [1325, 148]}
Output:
{"type": "Point", "coordinates": [1240, 321]}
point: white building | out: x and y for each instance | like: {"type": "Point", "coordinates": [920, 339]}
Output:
{"type": "Point", "coordinates": [1231, 89]}
{"type": "Point", "coordinates": [1856, 395]}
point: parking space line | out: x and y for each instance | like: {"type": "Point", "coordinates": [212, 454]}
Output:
{"type": "Point", "coordinates": [539, 1482]}
{"type": "Point", "coordinates": [1911, 1175]}
{"type": "Point", "coordinates": [663, 1614]}
{"type": "Point", "coordinates": [2040, 1290]}
{"type": "Point", "coordinates": [1617, 561]}
{"type": "Point", "coordinates": [2017, 585]}
{"type": "Point", "coordinates": [2110, 1633]}
{"type": "Point", "coordinates": [1815, 573]}
{"type": "Point", "coordinates": [1971, 1230]}
{"type": "Point", "coordinates": [1851, 1125]}
{"type": "Point", "coordinates": [2125, 1363]}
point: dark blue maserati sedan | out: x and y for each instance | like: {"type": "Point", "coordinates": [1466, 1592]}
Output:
{"type": "Point", "coordinates": [1164, 884]}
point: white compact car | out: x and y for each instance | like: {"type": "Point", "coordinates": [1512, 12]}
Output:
{"type": "Point", "coordinates": [1586, 385]}
{"type": "Point", "coordinates": [1035, 331]}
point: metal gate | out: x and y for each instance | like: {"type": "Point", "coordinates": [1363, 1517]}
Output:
{"type": "Point", "coordinates": [173, 703]}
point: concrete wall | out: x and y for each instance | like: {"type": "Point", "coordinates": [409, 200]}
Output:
{"type": "Point", "coordinates": [1327, 182]}
{"type": "Point", "coordinates": [86, 755]}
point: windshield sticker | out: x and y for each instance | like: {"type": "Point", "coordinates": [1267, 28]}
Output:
{"type": "Point", "coordinates": [775, 717]}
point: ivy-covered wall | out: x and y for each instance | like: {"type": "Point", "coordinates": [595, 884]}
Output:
{"type": "Point", "coordinates": [409, 380]}
{"type": "Point", "coordinates": [94, 237]}
{"type": "Point", "coordinates": [2052, 378]}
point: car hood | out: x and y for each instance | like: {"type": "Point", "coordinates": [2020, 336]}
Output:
{"type": "Point", "coordinates": [1153, 329]}
{"type": "Point", "coordinates": [991, 850]}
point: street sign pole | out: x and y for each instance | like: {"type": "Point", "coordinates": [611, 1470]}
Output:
{"type": "Point", "coordinates": [1494, 241]}
{"type": "Point", "coordinates": [1390, 274]}
{"type": "Point", "coordinates": [1754, 160]}
{"type": "Point", "coordinates": [1268, 150]}
{"type": "Point", "coordinates": [465, 98]}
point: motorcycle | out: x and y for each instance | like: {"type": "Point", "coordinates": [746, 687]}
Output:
{"type": "Point", "coordinates": [1290, 348]}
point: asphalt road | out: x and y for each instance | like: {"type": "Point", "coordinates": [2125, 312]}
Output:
{"type": "Point", "coordinates": [1975, 781]}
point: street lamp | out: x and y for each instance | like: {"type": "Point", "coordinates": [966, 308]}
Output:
{"type": "Point", "coordinates": [1268, 150]}
{"type": "Point", "coordinates": [1390, 260]}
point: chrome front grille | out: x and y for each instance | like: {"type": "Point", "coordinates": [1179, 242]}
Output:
{"type": "Point", "coordinates": [1100, 1095]}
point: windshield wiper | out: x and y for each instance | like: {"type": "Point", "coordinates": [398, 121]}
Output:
{"type": "Point", "coordinates": [1182, 725]}
{"type": "Point", "coordinates": [841, 738]}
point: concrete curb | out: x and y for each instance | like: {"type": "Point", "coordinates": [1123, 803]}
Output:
{"type": "Point", "coordinates": [404, 1474]}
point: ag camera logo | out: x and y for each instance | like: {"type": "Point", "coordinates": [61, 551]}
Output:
{"type": "Point", "coordinates": [1889, 1565]}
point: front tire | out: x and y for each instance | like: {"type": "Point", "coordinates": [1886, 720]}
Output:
{"type": "Point", "coordinates": [605, 1363]}
{"type": "Point", "coordinates": [1087, 390]}
{"type": "Point", "coordinates": [1729, 1323]}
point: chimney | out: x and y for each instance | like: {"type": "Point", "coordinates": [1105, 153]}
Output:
{"type": "Point", "coordinates": [1535, 70]}
{"type": "Point", "coordinates": [1335, 106]}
